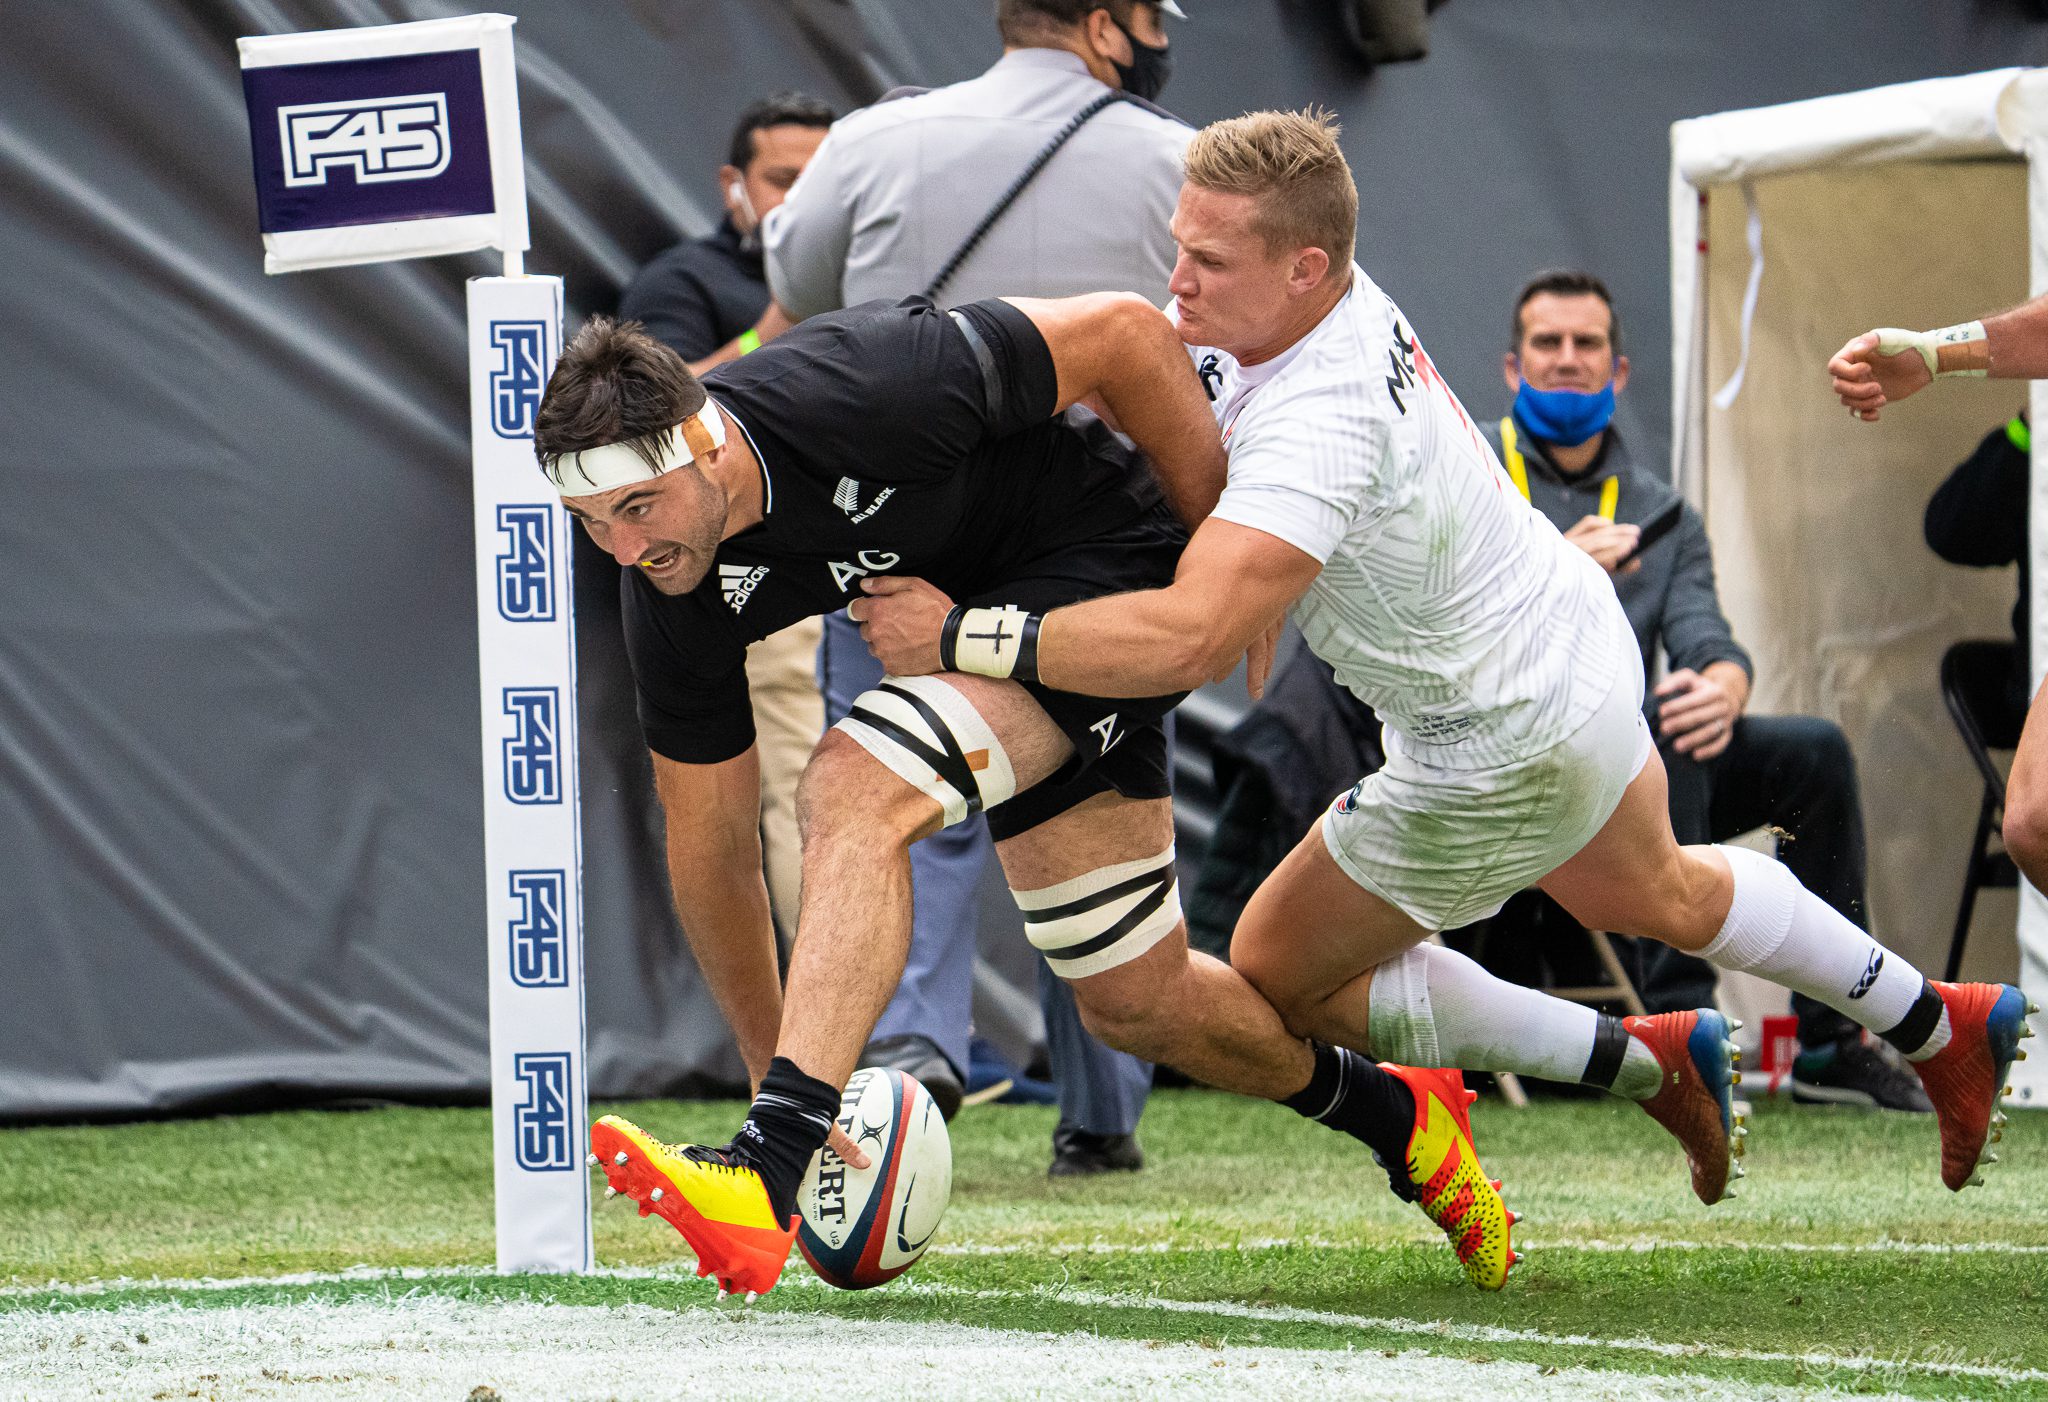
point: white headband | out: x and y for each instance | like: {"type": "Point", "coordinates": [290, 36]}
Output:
{"type": "Point", "coordinates": [600, 469]}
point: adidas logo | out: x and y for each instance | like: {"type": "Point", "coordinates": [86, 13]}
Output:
{"type": "Point", "coordinates": [847, 499]}
{"type": "Point", "coordinates": [738, 583]}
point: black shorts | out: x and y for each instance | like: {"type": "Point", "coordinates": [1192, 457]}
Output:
{"type": "Point", "coordinates": [1120, 743]}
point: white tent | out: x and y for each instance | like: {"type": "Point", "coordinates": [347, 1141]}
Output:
{"type": "Point", "coordinates": [1792, 229]}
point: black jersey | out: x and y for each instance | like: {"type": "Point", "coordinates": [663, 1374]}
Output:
{"type": "Point", "coordinates": [896, 439]}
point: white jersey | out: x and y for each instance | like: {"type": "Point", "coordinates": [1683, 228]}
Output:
{"type": "Point", "coordinates": [1445, 602]}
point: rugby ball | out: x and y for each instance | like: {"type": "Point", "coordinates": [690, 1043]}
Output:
{"type": "Point", "coordinates": [861, 1227]}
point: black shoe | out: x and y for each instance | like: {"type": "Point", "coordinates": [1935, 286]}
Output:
{"type": "Point", "coordinates": [1076, 1153]}
{"type": "Point", "coordinates": [920, 1057]}
{"type": "Point", "coordinates": [1852, 1072]}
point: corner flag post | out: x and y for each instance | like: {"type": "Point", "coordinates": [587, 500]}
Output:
{"type": "Point", "coordinates": [402, 141]}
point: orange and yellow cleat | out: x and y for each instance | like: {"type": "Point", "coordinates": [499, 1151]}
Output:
{"type": "Point", "coordinates": [1695, 1100]}
{"type": "Point", "coordinates": [1451, 1187]}
{"type": "Point", "coordinates": [1965, 1079]}
{"type": "Point", "coordinates": [721, 1209]}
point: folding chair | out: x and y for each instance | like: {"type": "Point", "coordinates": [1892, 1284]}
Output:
{"type": "Point", "coordinates": [1973, 680]}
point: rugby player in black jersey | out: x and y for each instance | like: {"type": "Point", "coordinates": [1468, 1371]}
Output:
{"type": "Point", "coordinates": [912, 440]}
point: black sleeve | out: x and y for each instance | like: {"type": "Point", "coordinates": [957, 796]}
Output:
{"type": "Point", "coordinates": [676, 307]}
{"type": "Point", "coordinates": [898, 392]}
{"type": "Point", "coordinates": [1019, 380]}
{"type": "Point", "coordinates": [690, 669]}
{"type": "Point", "coordinates": [1979, 515]}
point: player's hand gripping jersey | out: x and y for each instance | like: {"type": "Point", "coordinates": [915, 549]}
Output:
{"type": "Point", "coordinates": [1445, 602]}
{"type": "Point", "coordinates": [905, 439]}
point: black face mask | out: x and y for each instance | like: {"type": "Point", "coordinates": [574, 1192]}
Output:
{"type": "Point", "coordinates": [1148, 71]}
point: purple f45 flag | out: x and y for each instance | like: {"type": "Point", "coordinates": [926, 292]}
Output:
{"type": "Point", "coordinates": [398, 141]}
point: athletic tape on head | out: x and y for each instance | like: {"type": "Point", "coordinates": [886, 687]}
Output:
{"type": "Point", "coordinates": [929, 737]}
{"type": "Point", "coordinates": [601, 469]}
{"type": "Point", "coordinates": [1104, 918]}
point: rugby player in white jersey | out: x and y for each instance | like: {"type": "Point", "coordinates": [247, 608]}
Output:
{"type": "Point", "coordinates": [725, 503]}
{"type": "Point", "coordinates": [1361, 496]}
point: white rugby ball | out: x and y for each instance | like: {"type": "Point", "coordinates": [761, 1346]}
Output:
{"type": "Point", "coordinates": [861, 1227]}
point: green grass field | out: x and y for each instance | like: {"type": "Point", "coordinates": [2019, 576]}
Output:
{"type": "Point", "coordinates": [1844, 1268]}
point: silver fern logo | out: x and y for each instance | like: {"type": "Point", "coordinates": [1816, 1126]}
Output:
{"type": "Point", "coordinates": [847, 499]}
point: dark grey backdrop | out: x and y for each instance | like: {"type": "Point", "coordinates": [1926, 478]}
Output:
{"type": "Point", "coordinates": [239, 831]}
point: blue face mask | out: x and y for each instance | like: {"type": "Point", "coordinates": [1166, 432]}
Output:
{"type": "Point", "coordinates": [1566, 417]}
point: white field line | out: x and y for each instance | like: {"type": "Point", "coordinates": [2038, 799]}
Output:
{"type": "Point", "coordinates": [1225, 1309]}
{"type": "Point", "coordinates": [1055, 1248]}
{"type": "Point", "coordinates": [429, 1346]}
{"type": "Point", "coordinates": [1492, 1334]}
{"type": "Point", "coordinates": [1167, 1248]}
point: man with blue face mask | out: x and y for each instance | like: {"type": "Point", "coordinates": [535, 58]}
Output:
{"type": "Point", "coordinates": [1729, 772]}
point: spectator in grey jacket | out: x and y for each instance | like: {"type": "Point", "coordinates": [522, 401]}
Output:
{"type": "Point", "coordinates": [1730, 772]}
{"type": "Point", "coordinates": [897, 188]}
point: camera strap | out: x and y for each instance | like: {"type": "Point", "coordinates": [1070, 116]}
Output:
{"type": "Point", "coordinates": [988, 221]}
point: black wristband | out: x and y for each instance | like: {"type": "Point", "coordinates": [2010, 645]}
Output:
{"type": "Point", "coordinates": [1027, 650]}
{"type": "Point", "coordinates": [949, 639]}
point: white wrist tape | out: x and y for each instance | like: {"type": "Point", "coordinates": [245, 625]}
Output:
{"type": "Point", "coordinates": [996, 642]}
{"type": "Point", "coordinates": [1892, 341]}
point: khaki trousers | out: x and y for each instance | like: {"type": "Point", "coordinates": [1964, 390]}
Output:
{"type": "Point", "coordinates": [789, 716]}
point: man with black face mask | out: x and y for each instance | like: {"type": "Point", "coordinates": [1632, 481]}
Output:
{"type": "Point", "coordinates": [893, 200]}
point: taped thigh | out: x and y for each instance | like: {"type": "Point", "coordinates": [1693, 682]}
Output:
{"type": "Point", "coordinates": [1108, 917]}
{"type": "Point", "coordinates": [928, 736]}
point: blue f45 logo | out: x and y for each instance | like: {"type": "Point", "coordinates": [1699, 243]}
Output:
{"type": "Point", "coordinates": [526, 566]}
{"type": "Point", "coordinates": [542, 1138]}
{"type": "Point", "coordinates": [533, 762]}
{"type": "Point", "coordinates": [521, 375]}
{"type": "Point", "coordinates": [539, 944]}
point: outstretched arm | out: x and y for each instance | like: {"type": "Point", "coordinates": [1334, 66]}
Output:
{"type": "Point", "coordinates": [1232, 585]}
{"type": "Point", "coordinates": [1120, 351]}
{"type": "Point", "coordinates": [1231, 588]}
{"type": "Point", "coordinates": [1889, 364]}
{"type": "Point", "coordinates": [714, 871]}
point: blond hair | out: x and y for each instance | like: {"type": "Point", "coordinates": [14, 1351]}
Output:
{"type": "Point", "coordinates": [1289, 162]}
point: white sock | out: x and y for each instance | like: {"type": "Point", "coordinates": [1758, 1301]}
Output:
{"type": "Point", "coordinates": [1434, 1007]}
{"type": "Point", "coordinates": [1781, 931]}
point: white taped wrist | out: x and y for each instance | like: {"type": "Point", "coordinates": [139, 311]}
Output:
{"type": "Point", "coordinates": [994, 642]}
{"type": "Point", "coordinates": [1891, 340]}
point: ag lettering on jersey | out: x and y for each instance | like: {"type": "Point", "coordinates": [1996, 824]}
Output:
{"type": "Point", "coordinates": [367, 141]}
{"type": "Point", "coordinates": [532, 760]}
{"type": "Point", "coordinates": [845, 576]}
{"type": "Point", "coordinates": [539, 948]}
{"type": "Point", "coordinates": [521, 376]}
{"type": "Point", "coordinates": [526, 566]}
{"type": "Point", "coordinates": [541, 1138]}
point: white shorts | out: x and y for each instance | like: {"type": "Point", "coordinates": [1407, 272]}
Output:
{"type": "Point", "coordinates": [1449, 846]}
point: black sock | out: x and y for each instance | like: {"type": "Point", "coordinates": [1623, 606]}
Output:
{"type": "Point", "coordinates": [788, 1123]}
{"type": "Point", "coordinates": [1347, 1092]}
